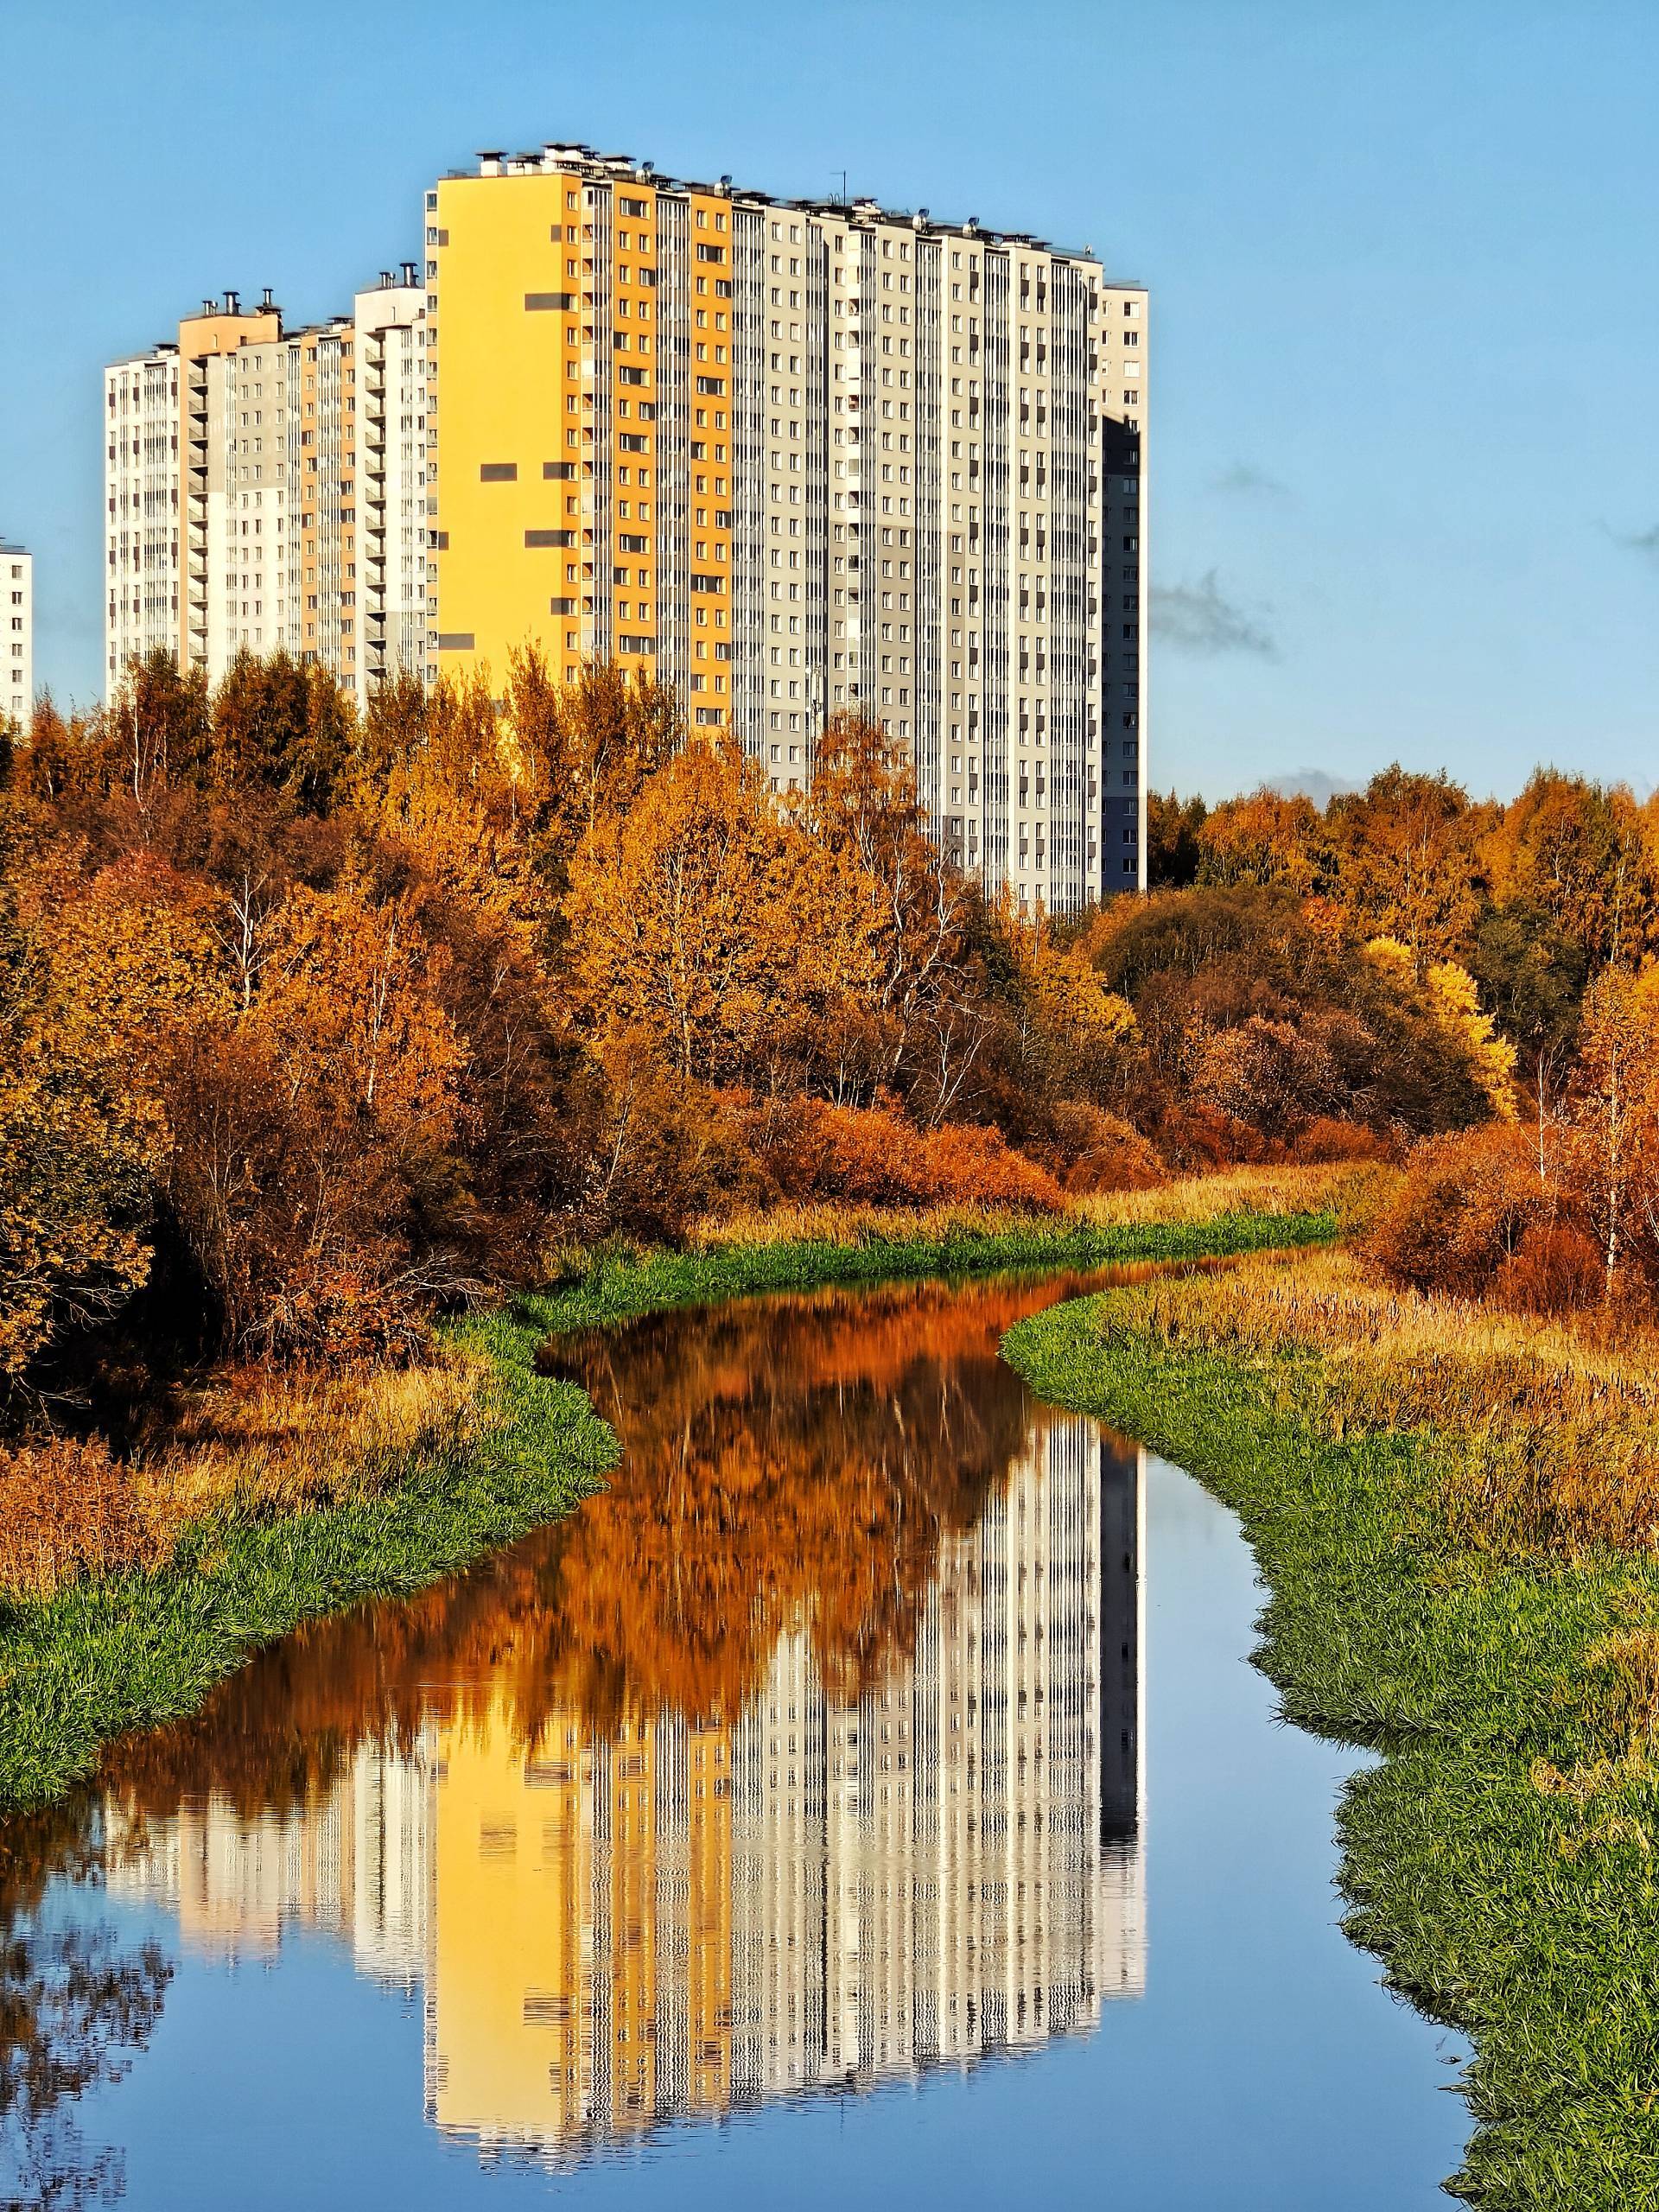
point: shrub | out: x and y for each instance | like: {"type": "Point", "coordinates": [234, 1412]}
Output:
{"type": "Point", "coordinates": [973, 1166]}
{"type": "Point", "coordinates": [1194, 1138]}
{"type": "Point", "coordinates": [1274, 1075]}
{"type": "Point", "coordinates": [1461, 1211]}
{"type": "Point", "coordinates": [668, 1149]}
{"type": "Point", "coordinates": [872, 1156]}
{"type": "Point", "coordinates": [1093, 1150]}
{"type": "Point", "coordinates": [1555, 1269]}
{"type": "Point", "coordinates": [1326, 1140]}
{"type": "Point", "coordinates": [69, 1510]}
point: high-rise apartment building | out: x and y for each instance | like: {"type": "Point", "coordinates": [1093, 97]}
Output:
{"type": "Point", "coordinates": [390, 468]}
{"type": "Point", "coordinates": [263, 490]}
{"type": "Point", "coordinates": [792, 456]}
{"type": "Point", "coordinates": [16, 632]}
{"type": "Point", "coordinates": [801, 456]}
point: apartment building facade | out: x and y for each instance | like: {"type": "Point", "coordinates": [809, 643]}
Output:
{"type": "Point", "coordinates": [16, 632]}
{"type": "Point", "coordinates": [261, 493]}
{"type": "Point", "coordinates": [797, 457]}
{"type": "Point", "coordinates": [794, 457]}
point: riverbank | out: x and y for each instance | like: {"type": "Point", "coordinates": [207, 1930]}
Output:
{"type": "Point", "coordinates": [1453, 1514]}
{"type": "Point", "coordinates": [820, 1248]}
{"type": "Point", "coordinates": [112, 1650]}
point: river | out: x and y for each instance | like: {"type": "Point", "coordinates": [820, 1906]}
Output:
{"type": "Point", "coordinates": [868, 1799]}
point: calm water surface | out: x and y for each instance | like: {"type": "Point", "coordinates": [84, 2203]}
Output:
{"type": "Point", "coordinates": [866, 1800]}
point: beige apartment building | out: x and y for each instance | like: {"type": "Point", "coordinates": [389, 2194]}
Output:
{"type": "Point", "coordinates": [263, 490]}
{"type": "Point", "coordinates": [16, 632]}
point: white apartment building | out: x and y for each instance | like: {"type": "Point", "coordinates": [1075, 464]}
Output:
{"type": "Point", "coordinates": [141, 498]}
{"type": "Point", "coordinates": [952, 1863]}
{"type": "Point", "coordinates": [391, 474]}
{"type": "Point", "coordinates": [16, 632]}
{"type": "Point", "coordinates": [792, 456]}
{"type": "Point", "coordinates": [797, 456]}
{"type": "Point", "coordinates": [349, 1856]}
{"type": "Point", "coordinates": [234, 459]}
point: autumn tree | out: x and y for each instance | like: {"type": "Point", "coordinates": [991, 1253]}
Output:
{"type": "Point", "coordinates": [76, 1151]}
{"type": "Point", "coordinates": [1080, 1039]}
{"type": "Point", "coordinates": [923, 1022]}
{"type": "Point", "coordinates": [707, 918]}
{"type": "Point", "coordinates": [395, 723]}
{"type": "Point", "coordinates": [283, 725]}
{"type": "Point", "coordinates": [1325, 1029]}
{"type": "Point", "coordinates": [585, 750]}
{"type": "Point", "coordinates": [1612, 1147]}
{"type": "Point", "coordinates": [1266, 839]}
{"type": "Point", "coordinates": [1532, 974]}
{"type": "Point", "coordinates": [1174, 853]}
{"type": "Point", "coordinates": [1571, 849]}
{"type": "Point", "coordinates": [312, 1156]}
{"type": "Point", "coordinates": [1405, 862]}
{"type": "Point", "coordinates": [157, 729]}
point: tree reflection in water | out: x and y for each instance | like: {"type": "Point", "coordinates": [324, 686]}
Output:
{"type": "Point", "coordinates": [77, 2005]}
{"type": "Point", "coordinates": [786, 1462]}
{"type": "Point", "coordinates": [564, 1794]}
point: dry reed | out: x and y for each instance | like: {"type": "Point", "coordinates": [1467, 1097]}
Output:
{"type": "Point", "coordinates": [263, 1442]}
{"type": "Point", "coordinates": [256, 1443]}
{"type": "Point", "coordinates": [1195, 1200]}
{"type": "Point", "coordinates": [69, 1509]}
{"type": "Point", "coordinates": [1556, 1432]}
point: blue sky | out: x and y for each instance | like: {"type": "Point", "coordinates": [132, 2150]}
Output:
{"type": "Point", "coordinates": [1405, 292]}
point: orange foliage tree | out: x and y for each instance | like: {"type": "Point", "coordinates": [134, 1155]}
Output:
{"type": "Point", "coordinates": [77, 1147]}
{"type": "Point", "coordinates": [1612, 1139]}
{"type": "Point", "coordinates": [707, 918]}
{"type": "Point", "coordinates": [1404, 863]}
{"type": "Point", "coordinates": [1264, 839]}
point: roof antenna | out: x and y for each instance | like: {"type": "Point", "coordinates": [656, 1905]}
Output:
{"type": "Point", "coordinates": [843, 174]}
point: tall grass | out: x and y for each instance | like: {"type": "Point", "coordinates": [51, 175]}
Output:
{"type": "Point", "coordinates": [271, 1442]}
{"type": "Point", "coordinates": [1448, 1508]}
{"type": "Point", "coordinates": [1339, 1192]}
{"type": "Point", "coordinates": [255, 1444]}
{"type": "Point", "coordinates": [1557, 1432]}
{"type": "Point", "coordinates": [69, 1510]}
{"type": "Point", "coordinates": [845, 1246]}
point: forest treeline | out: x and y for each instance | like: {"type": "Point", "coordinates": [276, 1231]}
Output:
{"type": "Point", "coordinates": [1548, 907]}
{"type": "Point", "coordinates": [313, 1024]}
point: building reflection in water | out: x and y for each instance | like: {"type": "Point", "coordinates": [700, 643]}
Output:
{"type": "Point", "coordinates": [622, 1908]}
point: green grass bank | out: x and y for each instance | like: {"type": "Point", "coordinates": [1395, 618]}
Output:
{"type": "Point", "coordinates": [1499, 1860]}
{"type": "Point", "coordinates": [135, 1649]}
{"type": "Point", "coordinates": [139, 1648]}
{"type": "Point", "coordinates": [619, 1287]}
